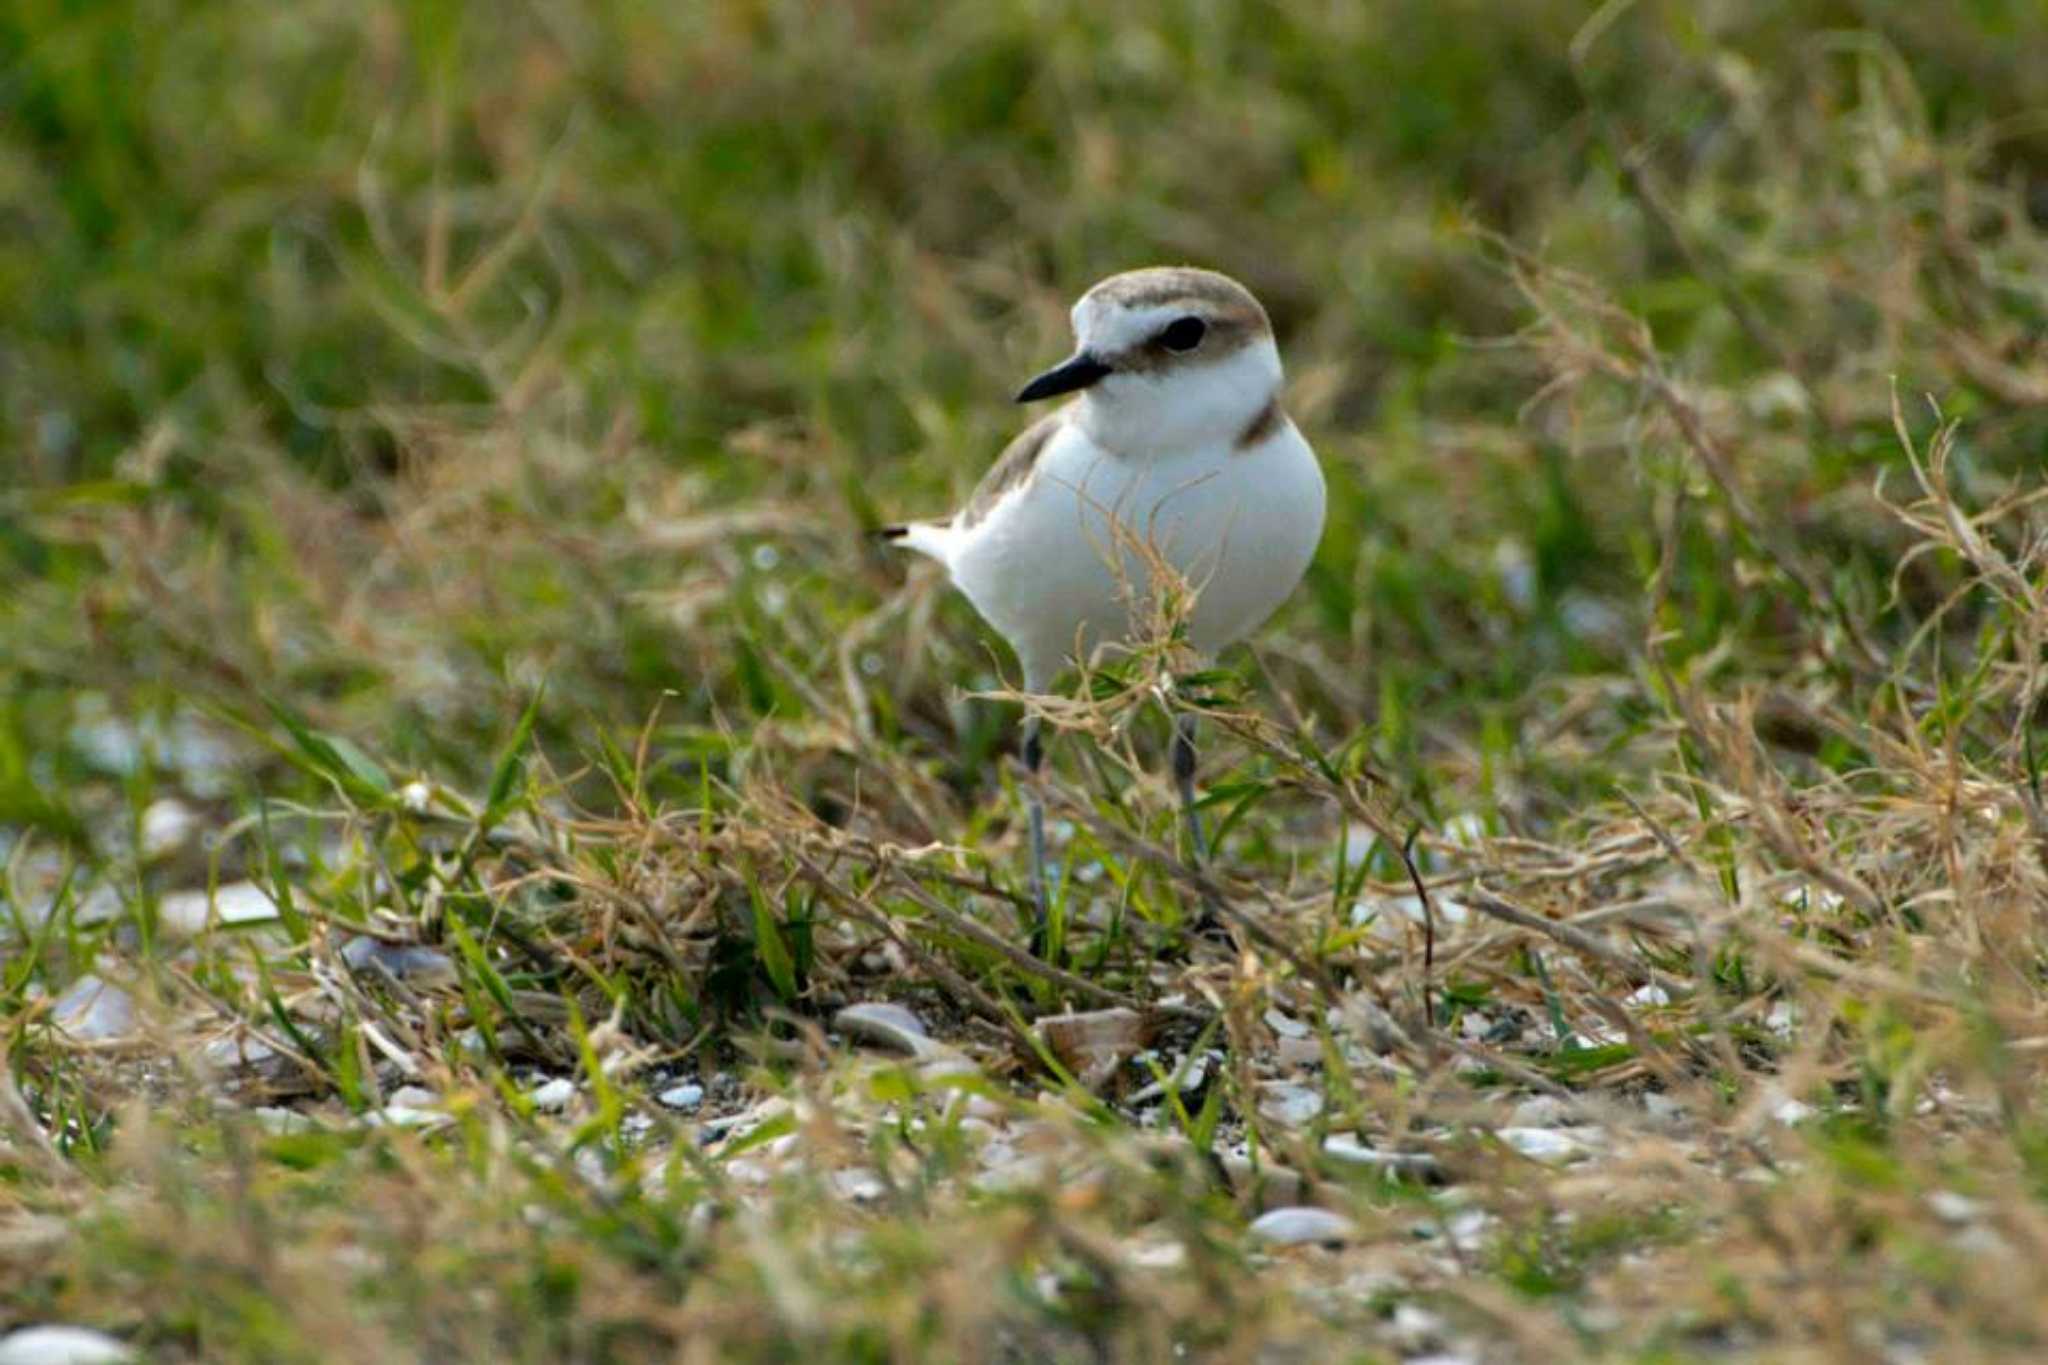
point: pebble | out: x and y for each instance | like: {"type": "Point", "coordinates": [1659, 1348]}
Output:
{"type": "Point", "coordinates": [740, 1124]}
{"type": "Point", "coordinates": [747, 1171]}
{"type": "Point", "coordinates": [1951, 1207]}
{"type": "Point", "coordinates": [1469, 1229]}
{"type": "Point", "coordinates": [944, 1061]}
{"type": "Point", "coordinates": [553, 1095]}
{"type": "Point", "coordinates": [981, 1108]}
{"type": "Point", "coordinates": [1193, 1075]}
{"type": "Point", "coordinates": [1274, 1186]}
{"type": "Point", "coordinates": [101, 904]}
{"type": "Point", "coordinates": [890, 1025]}
{"type": "Point", "coordinates": [1539, 1111]}
{"type": "Point", "coordinates": [1157, 1253]}
{"type": "Point", "coordinates": [1303, 1225]}
{"type": "Point", "coordinates": [1545, 1144]}
{"type": "Point", "coordinates": [1467, 829]}
{"type": "Point", "coordinates": [1372, 1025]}
{"type": "Point", "coordinates": [191, 913]}
{"type": "Point", "coordinates": [977, 1131]}
{"type": "Point", "coordinates": [93, 1011]}
{"type": "Point", "coordinates": [241, 1059]}
{"type": "Point", "coordinates": [282, 1122]}
{"type": "Point", "coordinates": [62, 1345]}
{"type": "Point", "coordinates": [1093, 1044]}
{"type": "Point", "coordinates": [589, 1164]}
{"type": "Point", "coordinates": [1662, 1107]}
{"type": "Point", "coordinates": [1288, 1103]}
{"type": "Point", "coordinates": [687, 1096]}
{"type": "Point", "coordinates": [859, 1184]}
{"type": "Point", "coordinates": [1298, 1052]}
{"type": "Point", "coordinates": [1979, 1239]}
{"type": "Point", "coordinates": [404, 961]}
{"type": "Point", "coordinates": [407, 1116]}
{"type": "Point", "coordinates": [1006, 1170]}
{"type": "Point", "coordinates": [202, 758]}
{"type": "Point", "coordinates": [1286, 1026]}
{"type": "Point", "coordinates": [1415, 1329]}
{"type": "Point", "coordinates": [1792, 1112]}
{"type": "Point", "coordinates": [167, 825]}
{"type": "Point", "coordinates": [1387, 918]}
{"type": "Point", "coordinates": [1516, 567]}
{"type": "Point", "coordinates": [1349, 1150]}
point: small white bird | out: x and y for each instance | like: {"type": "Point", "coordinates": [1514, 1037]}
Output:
{"type": "Point", "coordinates": [1178, 443]}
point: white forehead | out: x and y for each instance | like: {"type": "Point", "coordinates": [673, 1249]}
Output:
{"type": "Point", "coordinates": [1105, 326]}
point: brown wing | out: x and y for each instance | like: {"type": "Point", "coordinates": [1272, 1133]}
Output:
{"type": "Point", "coordinates": [1012, 468]}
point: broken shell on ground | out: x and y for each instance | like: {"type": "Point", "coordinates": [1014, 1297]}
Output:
{"type": "Point", "coordinates": [1093, 1044]}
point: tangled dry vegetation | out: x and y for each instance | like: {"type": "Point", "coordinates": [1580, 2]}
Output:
{"type": "Point", "coordinates": [1629, 914]}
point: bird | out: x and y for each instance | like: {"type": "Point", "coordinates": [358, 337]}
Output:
{"type": "Point", "coordinates": [1174, 447]}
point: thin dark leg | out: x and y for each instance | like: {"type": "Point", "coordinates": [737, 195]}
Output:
{"type": "Point", "coordinates": [1209, 924]}
{"type": "Point", "coordinates": [1184, 778]}
{"type": "Point", "coordinates": [1034, 759]}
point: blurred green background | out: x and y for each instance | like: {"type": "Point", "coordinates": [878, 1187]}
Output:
{"type": "Point", "coordinates": [392, 358]}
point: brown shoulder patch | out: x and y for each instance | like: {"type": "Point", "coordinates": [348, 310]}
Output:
{"type": "Point", "coordinates": [1012, 468]}
{"type": "Point", "coordinates": [1267, 421]}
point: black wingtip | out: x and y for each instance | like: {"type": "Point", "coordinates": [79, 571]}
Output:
{"type": "Point", "coordinates": [890, 532]}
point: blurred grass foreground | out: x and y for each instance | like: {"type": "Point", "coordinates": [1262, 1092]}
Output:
{"type": "Point", "coordinates": [498, 866]}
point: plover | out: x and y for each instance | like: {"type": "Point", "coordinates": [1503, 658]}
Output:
{"type": "Point", "coordinates": [1176, 447]}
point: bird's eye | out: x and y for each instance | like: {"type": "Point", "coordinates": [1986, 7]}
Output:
{"type": "Point", "coordinates": [1183, 334]}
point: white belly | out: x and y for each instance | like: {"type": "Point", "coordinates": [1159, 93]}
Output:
{"type": "Point", "coordinates": [1056, 565]}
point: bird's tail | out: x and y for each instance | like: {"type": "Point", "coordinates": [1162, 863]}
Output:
{"type": "Point", "coordinates": [924, 537]}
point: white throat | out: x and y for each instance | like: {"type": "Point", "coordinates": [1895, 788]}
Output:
{"type": "Point", "coordinates": [1187, 407]}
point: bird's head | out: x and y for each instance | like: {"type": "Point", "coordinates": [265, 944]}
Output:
{"type": "Point", "coordinates": [1166, 357]}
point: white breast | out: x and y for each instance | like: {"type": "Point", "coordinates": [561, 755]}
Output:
{"type": "Point", "coordinates": [1055, 565]}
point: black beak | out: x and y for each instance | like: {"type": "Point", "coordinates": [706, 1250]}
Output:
{"type": "Point", "coordinates": [1078, 373]}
